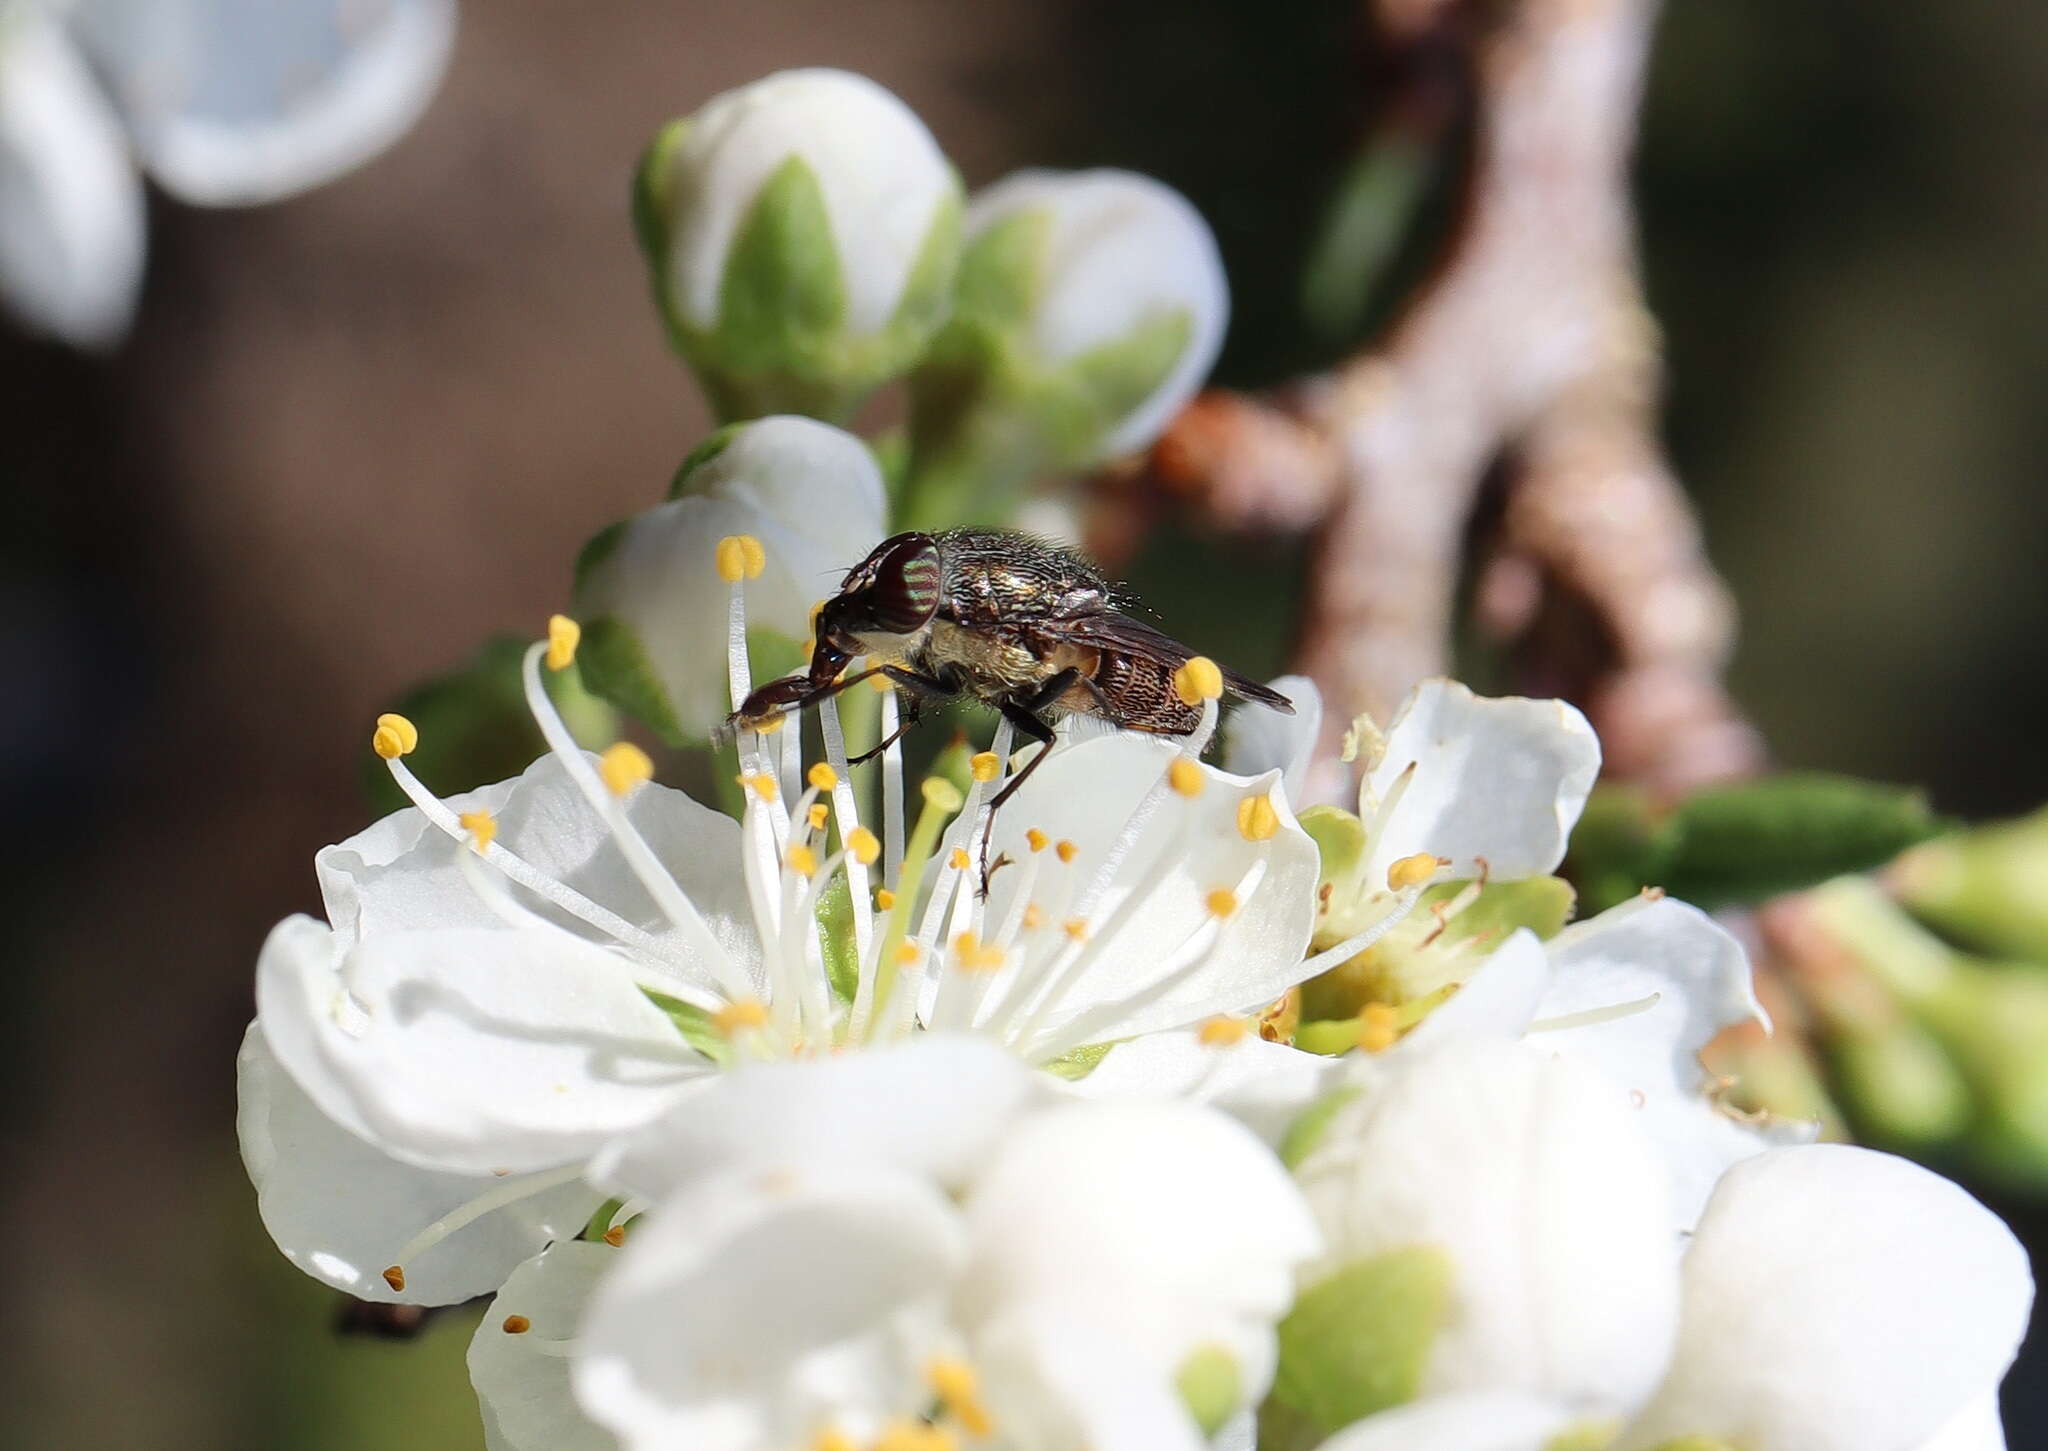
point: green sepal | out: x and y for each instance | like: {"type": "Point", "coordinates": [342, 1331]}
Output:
{"type": "Point", "coordinates": [475, 727]}
{"type": "Point", "coordinates": [1076, 1064]}
{"type": "Point", "coordinates": [616, 667]}
{"type": "Point", "coordinates": [1115, 377]}
{"type": "Point", "coordinates": [835, 936]}
{"type": "Point", "coordinates": [781, 296]}
{"type": "Point", "coordinates": [693, 1023]}
{"type": "Point", "coordinates": [1357, 1342]}
{"type": "Point", "coordinates": [1002, 269]}
{"type": "Point", "coordinates": [1984, 887]}
{"type": "Point", "coordinates": [652, 203]}
{"type": "Point", "coordinates": [1340, 843]}
{"type": "Point", "coordinates": [714, 444]}
{"type": "Point", "coordinates": [600, 547]}
{"type": "Point", "coordinates": [1211, 1386]}
{"type": "Point", "coordinates": [1306, 1133]}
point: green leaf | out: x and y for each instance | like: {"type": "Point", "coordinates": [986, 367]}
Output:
{"type": "Point", "coordinates": [1358, 1341]}
{"type": "Point", "coordinates": [781, 297]}
{"type": "Point", "coordinates": [615, 666]}
{"type": "Point", "coordinates": [1369, 216]}
{"type": "Point", "coordinates": [1211, 1387]}
{"type": "Point", "coordinates": [1313, 1122]}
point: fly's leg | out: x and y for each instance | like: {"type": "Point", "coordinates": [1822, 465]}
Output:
{"type": "Point", "coordinates": [1022, 714]}
{"type": "Point", "coordinates": [788, 696]}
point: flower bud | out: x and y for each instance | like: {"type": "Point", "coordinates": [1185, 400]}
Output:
{"type": "Point", "coordinates": [1988, 887]}
{"type": "Point", "coordinates": [648, 591]}
{"type": "Point", "coordinates": [802, 232]}
{"type": "Point", "coordinates": [1090, 307]}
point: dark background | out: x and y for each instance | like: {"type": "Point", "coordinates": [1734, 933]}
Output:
{"type": "Point", "coordinates": [353, 434]}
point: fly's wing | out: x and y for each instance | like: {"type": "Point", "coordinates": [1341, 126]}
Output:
{"type": "Point", "coordinates": [1112, 631]}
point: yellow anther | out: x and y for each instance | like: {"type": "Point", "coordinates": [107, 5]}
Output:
{"type": "Point", "coordinates": [623, 767]}
{"type": "Point", "coordinates": [907, 954]}
{"type": "Point", "coordinates": [958, 860]}
{"type": "Point", "coordinates": [1377, 1027]}
{"type": "Point", "coordinates": [771, 725]}
{"type": "Point", "coordinates": [884, 898]}
{"type": "Point", "coordinates": [985, 766]}
{"type": "Point", "coordinates": [564, 634]}
{"type": "Point", "coordinates": [802, 860]}
{"type": "Point", "coordinates": [760, 783]}
{"type": "Point", "coordinates": [740, 1014]}
{"type": "Point", "coordinates": [517, 1325]}
{"type": "Point", "coordinates": [395, 1278]}
{"type": "Point", "coordinates": [740, 556]}
{"type": "Point", "coordinates": [831, 1440]}
{"type": "Point", "coordinates": [1036, 839]}
{"type": "Point", "coordinates": [1257, 818]}
{"type": "Point", "coordinates": [1067, 851]}
{"type": "Point", "coordinates": [482, 828]}
{"type": "Point", "coordinates": [1221, 903]}
{"type": "Point", "coordinates": [1221, 1032]}
{"type": "Point", "coordinates": [864, 846]}
{"type": "Point", "coordinates": [959, 1391]}
{"type": "Point", "coordinates": [395, 736]}
{"type": "Point", "coordinates": [1413, 871]}
{"type": "Point", "coordinates": [817, 815]}
{"type": "Point", "coordinates": [942, 794]}
{"type": "Point", "coordinates": [915, 1436]}
{"type": "Point", "coordinates": [1197, 681]}
{"type": "Point", "coordinates": [1034, 917]}
{"type": "Point", "coordinates": [971, 954]}
{"type": "Point", "coordinates": [615, 1236]}
{"type": "Point", "coordinates": [822, 777]}
{"type": "Point", "coordinates": [1076, 928]}
{"type": "Point", "coordinates": [1185, 777]}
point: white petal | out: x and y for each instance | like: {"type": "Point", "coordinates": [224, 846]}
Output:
{"type": "Point", "coordinates": [1168, 1226]}
{"type": "Point", "coordinates": [1687, 979]}
{"type": "Point", "coordinates": [1498, 780]}
{"type": "Point", "coordinates": [812, 494]}
{"type": "Point", "coordinates": [935, 1106]}
{"type": "Point", "coordinates": [1054, 1381]}
{"type": "Point", "coordinates": [522, 1381]}
{"type": "Point", "coordinates": [882, 176]}
{"type": "Point", "coordinates": [1474, 1421]}
{"type": "Point", "coordinates": [1974, 1428]}
{"type": "Point", "coordinates": [233, 102]}
{"type": "Point", "coordinates": [403, 873]}
{"type": "Point", "coordinates": [469, 1051]}
{"type": "Point", "coordinates": [1498, 1001]}
{"type": "Point", "coordinates": [1157, 901]}
{"type": "Point", "coordinates": [71, 212]}
{"type": "Point", "coordinates": [1122, 250]}
{"type": "Point", "coordinates": [762, 1305]}
{"type": "Point", "coordinates": [1838, 1298]}
{"type": "Point", "coordinates": [1262, 1085]}
{"type": "Point", "coordinates": [1257, 740]}
{"type": "Point", "coordinates": [1529, 1172]}
{"type": "Point", "coordinates": [341, 1210]}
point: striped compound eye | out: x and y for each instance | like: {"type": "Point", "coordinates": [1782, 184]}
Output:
{"type": "Point", "coordinates": [904, 594]}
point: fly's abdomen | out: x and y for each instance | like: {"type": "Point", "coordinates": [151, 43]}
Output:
{"type": "Point", "coordinates": [1141, 696]}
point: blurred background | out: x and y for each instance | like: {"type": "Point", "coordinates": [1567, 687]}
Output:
{"type": "Point", "coordinates": [352, 434]}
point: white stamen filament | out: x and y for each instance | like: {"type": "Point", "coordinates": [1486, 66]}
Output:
{"type": "Point", "coordinates": [500, 1194]}
{"type": "Point", "coordinates": [892, 793]}
{"type": "Point", "coordinates": [1404, 902]}
{"type": "Point", "coordinates": [1593, 1017]}
{"type": "Point", "coordinates": [846, 808]}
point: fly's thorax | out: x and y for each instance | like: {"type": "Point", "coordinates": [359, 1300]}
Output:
{"type": "Point", "coordinates": [892, 647]}
{"type": "Point", "coordinates": [990, 664]}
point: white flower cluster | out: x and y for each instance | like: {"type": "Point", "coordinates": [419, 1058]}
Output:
{"type": "Point", "coordinates": [781, 1134]}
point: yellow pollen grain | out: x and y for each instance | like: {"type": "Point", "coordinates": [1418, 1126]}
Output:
{"type": "Point", "coordinates": [739, 557]}
{"type": "Point", "coordinates": [482, 828]}
{"type": "Point", "coordinates": [802, 860]}
{"type": "Point", "coordinates": [1067, 851]}
{"type": "Point", "coordinates": [615, 1236]}
{"type": "Point", "coordinates": [1198, 680]}
{"type": "Point", "coordinates": [624, 766]}
{"type": "Point", "coordinates": [1221, 903]}
{"type": "Point", "coordinates": [1413, 871]}
{"type": "Point", "coordinates": [1221, 1032]}
{"type": "Point", "coordinates": [958, 860]}
{"type": "Point", "coordinates": [984, 765]}
{"type": "Point", "coordinates": [1376, 1027]}
{"type": "Point", "coordinates": [822, 777]}
{"type": "Point", "coordinates": [817, 815]}
{"type": "Point", "coordinates": [564, 635]}
{"type": "Point", "coordinates": [1034, 916]}
{"type": "Point", "coordinates": [959, 1391]}
{"type": "Point", "coordinates": [1257, 819]}
{"type": "Point", "coordinates": [942, 794]}
{"type": "Point", "coordinates": [517, 1325]}
{"type": "Point", "coordinates": [395, 1278]}
{"type": "Point", "coordinates": [395, 736]}
{"type": "Point", "coordinates": [884, 898]}
{"type": "Point", "coordinates": [864, 846]}
{"type": "Point", "coordinates": [1036, 839]}
{"type": "Point", "coordinates": [1185, 777]}
{"type": "Point", "coordinates": [881, 684]}
{"type": "Point", "coordinates": [1076, 928]}
{"type": "Point", "coordinates": [740, 1014]}
{"type": "Point", "coordinates": [907, 954]}
{"type": "Point", "coordinates": [771, 725]}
